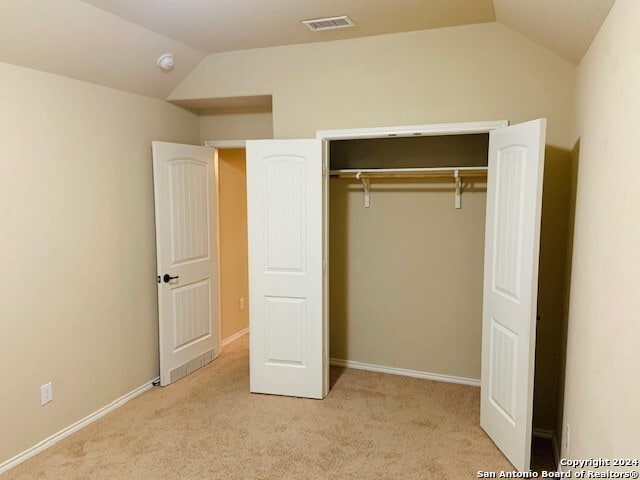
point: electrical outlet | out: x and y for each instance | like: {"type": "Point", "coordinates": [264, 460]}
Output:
{"type": "Point", "coordinates": [46, 393]}
{"type": "Point", "coordinates": [567, 434]}
{"type": "Point", "coordinates": [242, 304]}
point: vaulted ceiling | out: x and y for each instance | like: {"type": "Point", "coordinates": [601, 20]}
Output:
{"type": "Point", "coordinates": [116, 42]}
{"type": "Point", "coordinates": [225, 25]}
{"type": "Point", "coordinates": [565, 26]}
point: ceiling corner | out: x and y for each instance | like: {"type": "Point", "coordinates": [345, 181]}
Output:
{"type": "Point", "coordinates": [566, 27]}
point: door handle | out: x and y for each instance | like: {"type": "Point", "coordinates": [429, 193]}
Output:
{"type": "Point", "coordinates": [167, 278]}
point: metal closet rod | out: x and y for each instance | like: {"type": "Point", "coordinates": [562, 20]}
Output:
{"type": "Point", "coordinates": [363, 173]}
{"type": "Point", "coordinates": [366, 174]}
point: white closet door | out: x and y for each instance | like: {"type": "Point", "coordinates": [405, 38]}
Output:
{"type": "Point", "coordinates": [514, 201]}
{"type": "Point", "coordinates": [187, 252]}
{"type": "Point", "coordinates": [284, 201]}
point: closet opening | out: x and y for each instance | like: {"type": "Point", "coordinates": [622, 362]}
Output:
{"type": "Point", "coordinates": [406, 267]}
{"type": "Point", "coordinates": [406, 271]}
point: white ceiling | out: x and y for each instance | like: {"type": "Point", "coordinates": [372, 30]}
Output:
{"type": "Point", "coordinates": [226, 25]}
{"type": "Point", "coordinates": [116, 42]}
{"type": "Point", "coordinates": [565, 26]}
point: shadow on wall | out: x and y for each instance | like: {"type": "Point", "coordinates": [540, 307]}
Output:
{"type": "Point", "coordinates": [573, 184]}
{"type": "Point", "coordinates": [558, 207]}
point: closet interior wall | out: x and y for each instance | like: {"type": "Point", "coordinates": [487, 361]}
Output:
{"type": "Point", "coordinates": [406, 274]}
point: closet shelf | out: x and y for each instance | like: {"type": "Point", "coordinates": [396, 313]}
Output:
{"type": "Point", "coordinates": [366, 174]}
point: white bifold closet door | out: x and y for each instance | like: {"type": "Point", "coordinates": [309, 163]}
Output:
{"type": "Point", "coordinates": [187, 256]}
{"type": "Point", "coordinates": [284, 202]}
{"type": "Point", "coordinates": [512, 243]}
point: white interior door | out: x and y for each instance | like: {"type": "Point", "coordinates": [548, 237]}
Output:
{"type": "Point", "coordinates": [187, 251]}
{"type": "Point", "coordinates": [514, 204]}
{"type": "Point", "coordinates": [284, 202]}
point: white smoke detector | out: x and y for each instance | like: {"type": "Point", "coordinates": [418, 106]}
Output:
{"type": "Point", "coordinates": [165, 61]}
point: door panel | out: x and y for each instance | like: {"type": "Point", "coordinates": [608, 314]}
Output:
{"type": "Point", "coordinates": [284, 202]}
{"type": "Point", "coordinates": [512, 243]}
{"type": "Point", "coordinates": [185, 202]}
{"type": "Point", "coordinates": [189, 210]}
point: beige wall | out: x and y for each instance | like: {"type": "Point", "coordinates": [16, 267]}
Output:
{"type": "Point", "coordinates": [239, 126]}
{"type": "Point", "coordinates": [406, 275]}
{"type": "Point", "coordinates": [234, 273]}
{"type": "Point", "coordinates": [476, 72]}
{"type": "Point", "coordinates": [603, 354]}
{"type": "Point", "coordinates": [77, 294]}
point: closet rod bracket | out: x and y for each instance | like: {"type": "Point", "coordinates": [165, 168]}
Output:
{"type": "Point", "coordinates": [458, 201]}
{"type": "Point", "coordinates": [365, 185]}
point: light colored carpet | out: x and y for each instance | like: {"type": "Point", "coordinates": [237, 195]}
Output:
{"type": "Point", "coordinates": [208, 426]}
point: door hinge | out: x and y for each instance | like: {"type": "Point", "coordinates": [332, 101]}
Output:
{"type": "Point", "coordinates": [324, 264]}
{"type": "Point", "coordinates": [324, 169]}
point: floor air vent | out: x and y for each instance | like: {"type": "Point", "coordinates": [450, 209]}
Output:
{"type": "Point", "coordinates": [331, 23]}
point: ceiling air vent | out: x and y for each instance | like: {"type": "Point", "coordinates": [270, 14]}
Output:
{"type": "Point", "coordinates": [319, 24]}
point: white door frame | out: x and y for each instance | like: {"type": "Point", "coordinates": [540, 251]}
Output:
{"type": "Point", "coordinates": [225, 144]}
{"type": "Point", "coordinates": [411, 130]}
{"type": "Point", "coordinates": [376, 132]}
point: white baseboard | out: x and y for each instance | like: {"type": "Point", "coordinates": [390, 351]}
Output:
{"type": "Point", "coordinates": [403, 371]}
{"type": "Point", "coordinates": [550, 434]}
{"type": "Point", "coordinates": [234, 337]}
{"type": "Point", "coordinates": [65, 432]}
